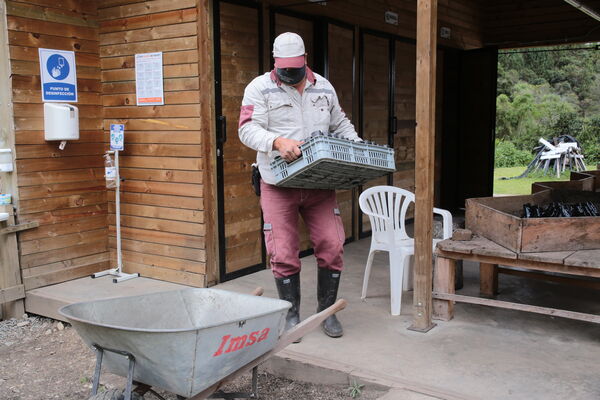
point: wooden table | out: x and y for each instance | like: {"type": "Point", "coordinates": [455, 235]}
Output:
{"type": "Point", "coordinates": [490, 255]}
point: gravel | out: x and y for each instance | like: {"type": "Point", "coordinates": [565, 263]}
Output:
{"type": "Point", "coordinates": [45, 359]}
{"type": "Point", "coordinates": [25, 329]}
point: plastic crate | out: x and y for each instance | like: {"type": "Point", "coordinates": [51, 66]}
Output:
{"type": "Point", "coordinates": [332, 163]}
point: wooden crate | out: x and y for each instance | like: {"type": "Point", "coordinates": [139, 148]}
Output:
{"type": "Point", "coordinates": [498, 219]}
{"type": "Point", "coordinates": [584, 181]}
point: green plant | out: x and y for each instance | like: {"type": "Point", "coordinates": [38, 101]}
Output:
{"type": "Point", "coordinates": [507, 155]}
{"type": "Point", "coordinates": [355, 389]}
{"type": "Point", "coordinates": [589, 140]}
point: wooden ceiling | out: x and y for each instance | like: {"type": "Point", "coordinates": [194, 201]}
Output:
{"type": "Point", "coordinates": [514, 23]}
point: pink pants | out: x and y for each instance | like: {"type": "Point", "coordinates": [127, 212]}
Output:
{"type": "Point", "coordinates": [321, 215]}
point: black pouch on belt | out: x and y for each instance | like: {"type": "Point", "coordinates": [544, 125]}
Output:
{"type": "Point", "coordinates": [256, 179]}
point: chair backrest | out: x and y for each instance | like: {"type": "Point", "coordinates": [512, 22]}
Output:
{"type": "Point", "coordinates": [391, 202]}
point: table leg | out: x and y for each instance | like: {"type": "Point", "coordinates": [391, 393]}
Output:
{"type": "Point", "coordinates": [443, 282]}
{"type": "Point", "coordinates": [488, 279]}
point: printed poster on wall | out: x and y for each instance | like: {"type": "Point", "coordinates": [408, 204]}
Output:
{"type": "Point", "coordinates": [149, 79]}
{"type": "Point", "coordinates": [58, 75]}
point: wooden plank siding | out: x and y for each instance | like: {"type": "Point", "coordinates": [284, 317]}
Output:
{"type": "Point", "coordinates": [162, 209]}
{"type": "Point", "coordinates": [168, 205]}
{"type": "Point", "coordinates": [464, 17]}
{"type": "Point", "coordinates": [62, 190]}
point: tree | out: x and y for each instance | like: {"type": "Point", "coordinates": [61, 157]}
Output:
{"type": "Point", "coordinates": [549, 93]}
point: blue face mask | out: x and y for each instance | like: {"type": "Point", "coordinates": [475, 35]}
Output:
{"type": "Point", "coordinates": [291, 76]}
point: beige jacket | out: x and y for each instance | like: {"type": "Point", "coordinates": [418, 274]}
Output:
{"type": "Point", "coordinates": [271, 109]}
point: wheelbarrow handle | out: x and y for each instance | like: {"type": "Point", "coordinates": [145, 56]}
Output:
{"type": "Point", "coordinates": [286, 339]}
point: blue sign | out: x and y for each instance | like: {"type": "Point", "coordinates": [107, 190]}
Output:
{"type": "Point", "coordinates": [58, 74]}
{"type": "Point", "coordinates": [117, 136]}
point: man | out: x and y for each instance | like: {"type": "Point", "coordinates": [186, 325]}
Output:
{"type": "Point", "coordinates": [279, 111]}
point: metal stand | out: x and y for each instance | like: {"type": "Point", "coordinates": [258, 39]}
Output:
{"type": "Point", "coordinates": [120, 276]}
{"type": "Point", "coordinates": [99, 354]}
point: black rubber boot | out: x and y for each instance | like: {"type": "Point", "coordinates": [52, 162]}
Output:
{"type": "Point", "coordinates": [327, 289]}
{"type": "Point", "coordinates": [289, 290]}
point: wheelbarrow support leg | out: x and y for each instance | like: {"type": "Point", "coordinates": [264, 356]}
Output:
{"type": "Point", "coordinates": [96, 382]}
{"type": "Point", "coordinates": [129, 387]}
{"type": "Point", "coordinates": [99, 356]}
{"type": "Point", "coordinates": [255, 382]}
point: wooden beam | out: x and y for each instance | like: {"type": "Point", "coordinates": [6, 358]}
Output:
{"type": "Point", "coordinates": [488, 279]}
{"type": "Point", "coordinates": [424, 163]}
{"type": "Point", "coordinates": [563, 279]}
{"type": "Point", "coordinates": [591, 271]}
{"type": "Point", "coordinates": [208, 122]}
{"type": "Point", "coordinates": [519, 307]}
{"type": "Point", "coordinates": [12, 293]}
{"type": "Point", "coordinates": [10, 271]}
{"type": "Point", "coordinates": [356, 121]}
{"type": "Point", "coordinates": [19, 227]}
{"type": "Point", "coordinates": [443, 282]}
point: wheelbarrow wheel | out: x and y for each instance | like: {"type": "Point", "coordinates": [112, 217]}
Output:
{"type": "Point", "coordinates": [114, 394]}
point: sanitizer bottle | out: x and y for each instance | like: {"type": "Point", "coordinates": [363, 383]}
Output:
{"type": "Point", "coordinates": [110, 172]}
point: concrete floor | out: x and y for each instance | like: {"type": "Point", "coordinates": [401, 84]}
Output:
{"type": "Point", "coordinates": [47, 300]}
{"type": "Point", "coordinates": [483, 353]}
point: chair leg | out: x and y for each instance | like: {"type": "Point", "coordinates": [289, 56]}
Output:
{"type": "Point", "coordinates": [367, 274]}
{"type": "Point", "coordinates": [407, 281]}
{"type": "Point", "coordinates": [397, 263]}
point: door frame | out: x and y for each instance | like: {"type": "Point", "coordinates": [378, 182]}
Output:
{"type": "Point", "coordinates": [356, 118]}
{"type": "Point", "coordinates": [221, 137]}
{"type": "Point", "coordinates": [392, 120]}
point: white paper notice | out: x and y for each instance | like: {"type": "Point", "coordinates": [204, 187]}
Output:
{"type": "Point", "coordinates": [149, 79]}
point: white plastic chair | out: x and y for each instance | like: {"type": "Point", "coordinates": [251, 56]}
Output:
{"type": "Point", "coordinates": [386, 207]}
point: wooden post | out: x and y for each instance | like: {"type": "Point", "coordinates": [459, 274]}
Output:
{"type": "Point", "coordinates": [424, 164]}
{"type": "Point", "coordinates": [356, 121]}
{"type": "Point", "coordinates": [443, 282]}
{"type": "Point", "coordinates": [488, 279]}
{"type": "Point", "coordinates": [10, 270]}
{"type": "Point", "coordinates": [208, 126]}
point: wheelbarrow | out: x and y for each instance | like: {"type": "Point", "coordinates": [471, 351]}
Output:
{"type": "Point", "coordinates": [188, 342]}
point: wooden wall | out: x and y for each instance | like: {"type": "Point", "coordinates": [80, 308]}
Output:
{"type": "Point", "coordinates": [162, 196]}
{"type": "Point", "coordinates": [166, 225]}
{"type": "Point", "coordinates": [513, 23]}
{"type": "Point", "coordinates": [63, 190]}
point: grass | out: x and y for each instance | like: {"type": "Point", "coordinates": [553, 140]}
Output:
{"type": "Point", "coordinates": [523, 185]}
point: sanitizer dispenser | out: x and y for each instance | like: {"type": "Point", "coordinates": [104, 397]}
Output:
{"type": "Point", "coordinates": [61, 122]}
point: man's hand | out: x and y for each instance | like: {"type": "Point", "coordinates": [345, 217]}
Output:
{"type": "Point", "coordinates": [288, 148]}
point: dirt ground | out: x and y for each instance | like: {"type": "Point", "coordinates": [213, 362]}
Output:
{"type": "Point", "coordinates": [44, 359]}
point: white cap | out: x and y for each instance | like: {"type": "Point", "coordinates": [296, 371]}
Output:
{"type": "Point", "coordinates": [288, 50]}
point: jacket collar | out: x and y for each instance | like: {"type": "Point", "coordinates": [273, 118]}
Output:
{"type": "Point", "coordinates": [309, 75]}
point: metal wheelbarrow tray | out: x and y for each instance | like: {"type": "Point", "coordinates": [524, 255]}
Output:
{"type": "Point", "coordinates": [183, 341]}
{"type": "Point", "coordinates": [189, 342]}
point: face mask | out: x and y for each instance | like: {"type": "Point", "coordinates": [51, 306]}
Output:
{"type": "Point", "coordinates": [291, 76]}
